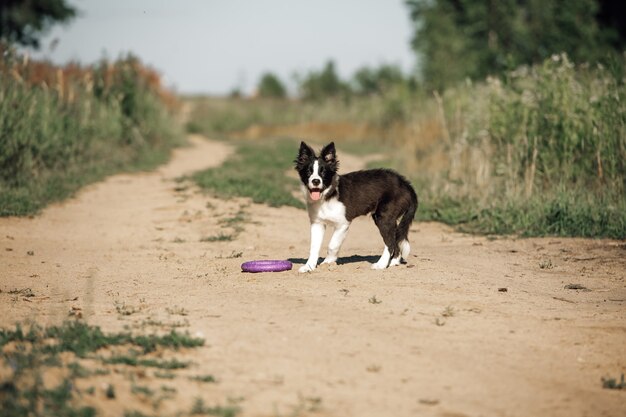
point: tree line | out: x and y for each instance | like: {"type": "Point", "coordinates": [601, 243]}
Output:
{"type": "Point", "coordinates": [453, 40]}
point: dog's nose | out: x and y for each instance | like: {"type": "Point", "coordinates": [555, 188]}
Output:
{"type": "Point", "coordinates": [315, 182]}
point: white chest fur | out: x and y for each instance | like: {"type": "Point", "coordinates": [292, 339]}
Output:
{"type": "Point", "coordinates": [331, 211]}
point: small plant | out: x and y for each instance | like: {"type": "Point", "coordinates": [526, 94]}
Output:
{"type": "Point", "coordinates": [110, 391]}
{"type": "Point", "coordinates": [203, 378]}
{"type": "Point", "coordinates": [448, 312]}
{"type": "Point", "coordinates": [164, 375]}
{"type": "Point", "coordinates": [179, 311]}
{"type": "Point", "coordinates": [199, 408]}
{"type": "Point", "coordinates": [546, 264]}
{"type": "Point", "coordinates": [141, 390]}
{"type": "Point", "coordinates": [220, 237]}
{"type": "Point", "coordinates": [125, 310]}
{"type": "Point", "coordinates": [133, 360]}
{"type": "Point", "coordinates": [374, 300]}
{"type": "Point", "coordinates": [611, 383]}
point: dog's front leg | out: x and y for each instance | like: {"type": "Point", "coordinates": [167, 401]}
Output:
{"type": "Point", "coordinates": [317, 236]}
{"type": "Point", "coordinates": [335, 242]}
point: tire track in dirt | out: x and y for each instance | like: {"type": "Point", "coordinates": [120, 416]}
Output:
{"type": "Point", "coordinates": [434, 337]}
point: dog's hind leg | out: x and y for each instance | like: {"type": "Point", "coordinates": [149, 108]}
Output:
{"type": "Point", "coordinates": [341, 230]}
{"type": "Point", "coordinates": [383, 262]}
{"type": "Point", "coordinates": [387, 226]}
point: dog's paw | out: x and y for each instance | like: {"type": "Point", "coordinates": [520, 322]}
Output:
{"type": "Point", "coordinates": [306, 268]}
{"type": "Point", "coordinates": [378, 266]}
{"type": "Point", "coordinates": [395, 261]}
{"type": "Point", "coordinates": [332, 260]}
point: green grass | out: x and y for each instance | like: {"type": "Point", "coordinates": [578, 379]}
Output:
{"type": "Point", "coordinates": [29, 352]}
{"type": "Point", "coordinates": [199, 408]}
{"type": "Point", "coordinates": [220, 237]}
{"type": "Point", "coordinates": [203, 378]}
{"type": "Point", "coordinates": [257, 171]}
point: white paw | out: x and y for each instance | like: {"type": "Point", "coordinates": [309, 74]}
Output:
{"type": "Point", "coordinates": [378, 266]}
{"type": "Point", "coordinates": [330, 260]}
{"type": "Point", "coordinates": [306, 268]}
{"type": "Point", "coordinates": [395, 261]}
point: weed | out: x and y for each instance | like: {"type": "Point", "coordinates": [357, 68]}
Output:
{"type": "Point", "coordinates": [77, 370]}
{"type": "Point", "coordinates": [164, 375]}
{"type": "Point", "coordinates": [611, 383]}
{"type": "Point", "coordinates": [134, 360]}
{"type": "Point", "coordinates": [199, 408]}
{"type": "Point", "coordinates": [24, 292]}
{"type": "Point", "coordinates": [546, 264]}
{"type": "Point", "coordinates": [110, 391]}
{"type": "Point", "coordinates": [125, 310]}
{"type": "Point", "coordinates": [448, 312]}
{"type": "Point", "coordinates": [180, 311]}
{"type": "Point", "coordinates": [203, 378]}
{"type": "Point", "coordinates": [134, 413]}
{"type": "Point", "coordinates": [221, 237]}
{"type": "Point", "coordinates": [141, 390]}
{"type": "Point", "coordinates": [374, 300]}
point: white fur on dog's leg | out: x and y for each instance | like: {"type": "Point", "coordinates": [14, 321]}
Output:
{"type": "Point", "coordinates": [395, 261]}
{"type": "Point", "coordinates": [405, 248]}
{"type": "Point", "coordinates": [335, 242]}
{"type": "Point", "coordinates": [383, 261]}
{"type": "Point", "coordinates": [317, 236]}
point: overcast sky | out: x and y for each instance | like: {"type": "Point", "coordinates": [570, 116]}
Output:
{"type": "Point", "coordinates": [213, 46]}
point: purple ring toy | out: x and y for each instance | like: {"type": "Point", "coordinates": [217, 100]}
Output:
{"type": "Point", "coordinates": [266, 266]}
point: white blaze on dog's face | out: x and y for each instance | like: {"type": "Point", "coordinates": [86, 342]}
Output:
{"type": "Point", "coordinates": [316, 173]}
{"type": "Point", "coordinates": [316, 183]}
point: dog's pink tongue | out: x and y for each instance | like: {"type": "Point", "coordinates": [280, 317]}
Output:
{"type": "Point", "coordinates": [315, 195]}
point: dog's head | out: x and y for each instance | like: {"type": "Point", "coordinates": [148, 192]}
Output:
{"type": "Point", "coordinates": [317, 172]}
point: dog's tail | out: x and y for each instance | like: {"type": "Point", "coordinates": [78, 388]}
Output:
{"type": "Point", "coordinates": [402, 232]}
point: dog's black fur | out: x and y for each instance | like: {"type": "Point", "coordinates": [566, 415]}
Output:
{"type": "Point", "coordinates": [384, 193]}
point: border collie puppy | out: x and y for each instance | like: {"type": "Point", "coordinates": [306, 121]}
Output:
{"type": "Point", "coordinates": [334, 199]}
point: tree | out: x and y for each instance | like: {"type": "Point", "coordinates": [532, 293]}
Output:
{"type": "Point", "coordinates": [24, 21]}
{"type": "Point", "coordinates": [270, 86]}
{"type": "Point", "coordinates": [455, 39]}
{"type": "Point", "coordinates": [377, 80]}
{"type": "Point", "coordinates": [319, 85]}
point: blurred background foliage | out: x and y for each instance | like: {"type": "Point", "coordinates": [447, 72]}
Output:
{"type": "Point", "coordinates": [514, 120]}
{"type": "Point", "coordinates": [62, 127]}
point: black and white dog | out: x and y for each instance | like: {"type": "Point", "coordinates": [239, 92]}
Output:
{"type": "Point", "coordinates": [334, 199]}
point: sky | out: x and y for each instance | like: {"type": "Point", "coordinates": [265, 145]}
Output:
{"type": "Point", "coordinates": [215, 46]}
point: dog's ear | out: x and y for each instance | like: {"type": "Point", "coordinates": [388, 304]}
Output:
{"type": "Point", "coordinates": [305, 155]}
{"type": "Point", "coordinates": [329, 155]}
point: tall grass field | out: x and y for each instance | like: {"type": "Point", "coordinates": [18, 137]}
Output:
{"type": "Point", "coordinates": [64, 127]}
{"type": "Point", "coordinates": [539, 151]}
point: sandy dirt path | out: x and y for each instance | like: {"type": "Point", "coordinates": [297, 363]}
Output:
{"type": "Point", "coordinates": [470, 327]}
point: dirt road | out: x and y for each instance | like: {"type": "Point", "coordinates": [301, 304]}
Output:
{"type": "Point", "coordinates": [470, 327]}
